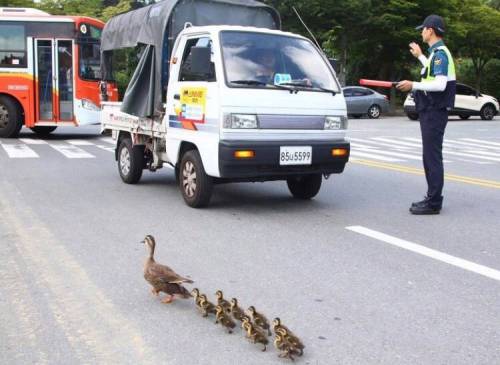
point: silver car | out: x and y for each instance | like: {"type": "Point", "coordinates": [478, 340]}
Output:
{"type": "Point", "coordinates": [363, 101]}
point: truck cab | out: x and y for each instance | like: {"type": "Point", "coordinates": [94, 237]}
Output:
{"type": "Point", "coordinates": [242, 104]}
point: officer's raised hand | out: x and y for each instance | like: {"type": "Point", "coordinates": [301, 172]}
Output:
{"type": "Point", "coordinates": [415, 49]}
{"type": "Point", "coordinates": [405, 85]}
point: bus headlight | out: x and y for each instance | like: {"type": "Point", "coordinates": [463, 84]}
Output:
{"type": "Point", "coordinates": [337, 122]}
{"type": "Point", "coordinates": [241, 121]}
{"type": "Point", "coordinates": [87, 104]}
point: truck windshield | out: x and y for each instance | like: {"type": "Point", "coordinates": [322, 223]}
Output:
{"type": "Point", "coordinates": [260, 60]}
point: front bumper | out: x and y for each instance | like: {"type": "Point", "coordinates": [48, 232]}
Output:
{"type": "Point", "coordinates": [265, 165]}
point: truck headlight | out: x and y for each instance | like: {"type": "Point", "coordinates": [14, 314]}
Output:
{"type": "Point", "coordinates": [337, 122]}
{"type": "Point", "coordinates": [241, 121]}
{"type": "Point", "coordinates": [87, 104]}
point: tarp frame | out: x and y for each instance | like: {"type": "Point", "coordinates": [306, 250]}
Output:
{"type": "Point", "coordinates": [157, 26]}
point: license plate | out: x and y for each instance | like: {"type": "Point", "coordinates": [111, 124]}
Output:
{"type": "Point", "coordinates": [295, 155]}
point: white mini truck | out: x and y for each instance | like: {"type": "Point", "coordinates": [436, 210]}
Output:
{"type": "Point", "coordinates": [242, 104]}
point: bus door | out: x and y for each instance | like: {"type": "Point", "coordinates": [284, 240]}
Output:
{"type": "Point", "coordinates": [54, 74]}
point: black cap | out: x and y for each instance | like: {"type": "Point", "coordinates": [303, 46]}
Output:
{"type": "Point", "coordinates": [433, 21]}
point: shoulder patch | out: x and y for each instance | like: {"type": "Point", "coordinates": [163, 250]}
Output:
{"type": "Point", "coordinates": [437, 61]}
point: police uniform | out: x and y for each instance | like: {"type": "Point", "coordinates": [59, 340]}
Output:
{"type": "Point", "coordinates": [432, 107]}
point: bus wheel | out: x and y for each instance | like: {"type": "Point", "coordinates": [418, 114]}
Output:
{"type": "Point", "coordinates": [10, 118]}
{"type": "Point", "coordinates": [43, 131]}
{"type": "Point", "coordinates": [196, 186]}
{"type": "Point", "coordinates": [304, 187]}
{"type": "Point", "coordinates": [130, 161]}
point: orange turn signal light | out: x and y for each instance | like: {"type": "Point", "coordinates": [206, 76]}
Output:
{"type": "Point", "coordinates": [337, 152]}
{"type": "Point", "coordinates": [244, 154]}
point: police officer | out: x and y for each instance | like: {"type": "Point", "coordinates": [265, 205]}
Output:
{"type": "Point", "coordinates": [433, 95]}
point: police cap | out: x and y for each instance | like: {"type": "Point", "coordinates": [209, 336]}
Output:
{"type": "Point", "coordinates": [433, 21]}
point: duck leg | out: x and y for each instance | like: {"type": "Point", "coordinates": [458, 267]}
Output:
{"type": "Point", "coordinates": [168, 299]}
{"type": "Point", "coordinates": [154, 292]}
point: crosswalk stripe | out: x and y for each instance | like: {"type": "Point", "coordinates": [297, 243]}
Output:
{"type": "Point", "coordinates": [402, 143]}
{"type": "Point", "coordinates": [388, 153]}
{"type": "Point", "coordinates": [32, 141]}
{"type": "Point", "coordinates": [106, 148]}
{"type": "Point", "coordinates": [71, 151]}
{"type": "Point", "coordinates": [461, 144]}
{"type": "Point", "coordinates": [481, 141]}
{"type": "Point", "coordinates": [19, 151]}
{"type": "Point", "coordinates": [107, 140]}
{"type": "Point", "coordinates": [79, 142]}
{"type": "Point", "coordinates": [382, 144]}
{"type": "Point", "coordinates": [373, 156]}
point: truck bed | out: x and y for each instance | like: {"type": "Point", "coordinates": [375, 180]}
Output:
{"type": "Point", "coordinates": [114, 119]}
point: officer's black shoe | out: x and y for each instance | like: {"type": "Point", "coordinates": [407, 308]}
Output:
{"type": "Point", "coordinates": [422, 202]}
{"type": "Point", "coordinates": [425, 209]}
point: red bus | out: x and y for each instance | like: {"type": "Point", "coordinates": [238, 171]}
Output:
{"type": "Point", "coordinates": [49, 71]}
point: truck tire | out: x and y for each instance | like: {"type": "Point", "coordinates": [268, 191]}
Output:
{"type": "Point", "coordinates": [196, 186]}
{"type": "Point", "coordinates": [43, 131]}
{"type": "Point", "coordinates": [304, 187]}
{"type": "Point", "coordinates": [10, 118]}
{"type": "Point", "coordinates": [130, 161]}
{"type": "Point", "coordinates": [412, 116]}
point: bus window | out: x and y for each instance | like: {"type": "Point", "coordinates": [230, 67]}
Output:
{"type": "Point", "coordinates": [90, 61]}
{"type": "Point", "coordinates": [12, 45]}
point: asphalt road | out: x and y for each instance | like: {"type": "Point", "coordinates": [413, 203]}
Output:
{"type": "Point", "coordinates": [359, 279]}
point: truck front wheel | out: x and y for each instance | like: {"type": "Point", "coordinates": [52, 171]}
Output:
{"type": "Point", "coordinates": [196, 186]}
{"type": "Point", "coordinates": [130, 161]}
{"type": "Point", "coordinates": [304, 187]}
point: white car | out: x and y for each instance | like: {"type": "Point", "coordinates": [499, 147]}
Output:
{"type": "Point", "coordinates": [467, 102]}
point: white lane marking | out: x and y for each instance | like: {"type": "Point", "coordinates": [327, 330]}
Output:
{"type": "Point", "coordinates": [32, 141]}
{"type": "Point", "coordinates": [79, 142]}
{"type": "Point", "coordinates": [19, 151]}
{"type": "Point", "coordinates": [107, 140]}
{"type": "Point", "coordinates": [106, 148]}
{"type": "Point", "coordinates": [372, 156]}
{"type": "Point", "coordinates": [425, 251]}
{"type": "Point", "coordinates": [481, 141]}
{"type": "Point", "coordinates": [71, 151]}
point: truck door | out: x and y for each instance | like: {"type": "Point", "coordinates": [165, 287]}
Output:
{"type": "Point", "coordinates": [192, 98]}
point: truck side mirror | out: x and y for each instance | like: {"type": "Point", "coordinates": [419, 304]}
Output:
{"type": "Point", "coordinates": [200, 60]}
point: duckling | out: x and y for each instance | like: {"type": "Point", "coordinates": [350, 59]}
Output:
{"type": "Point", "coordinates": [259, 319]}
{"type": "Point", "coordinates": [284, 347]}
{"type": "Point", "coordinates": [236, 311]}
{"type": "Point", "coordinates": [292, 340]}
{"type": "Point", "coordinates": [197, 297]}
{"type": "Point", "coordinates": [224, 319]}
{"type": "Point", "coordinates": [162, 278]}
{"type": "Point", "coordinates": [222, 302]}
{"type": "Point", "coordinates": [253, 333]}
{"type": "Point", "coordinates": [277, 325]}
{"type": "Point", "coordinates": [206, 307]}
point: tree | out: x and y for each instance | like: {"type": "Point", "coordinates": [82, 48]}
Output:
{"type": "Point", "coordinates": [481, 42]}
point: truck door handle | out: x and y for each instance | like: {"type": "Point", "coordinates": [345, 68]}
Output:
{"type": "Point", "coordinates": [177, 97]}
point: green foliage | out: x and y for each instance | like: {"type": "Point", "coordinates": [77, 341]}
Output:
{"type": "Point", "coordinates": [371, 37]}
